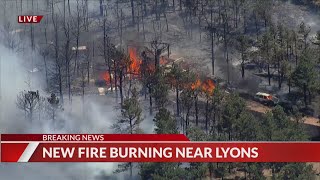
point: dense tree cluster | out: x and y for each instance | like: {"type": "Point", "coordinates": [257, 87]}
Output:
{"type": "Point", "coordinates": [236, 124]}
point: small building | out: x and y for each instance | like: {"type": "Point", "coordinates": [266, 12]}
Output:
{"type": "Point", "coordinates": [79, 48]}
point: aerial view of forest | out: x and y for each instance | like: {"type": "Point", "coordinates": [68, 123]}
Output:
{"type": "Point", "coordinates": [214, 70]}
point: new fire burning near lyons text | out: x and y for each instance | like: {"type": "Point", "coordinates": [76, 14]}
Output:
{"type": "Point", "coordinates": [150, 153]}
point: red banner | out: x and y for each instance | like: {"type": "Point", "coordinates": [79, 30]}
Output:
{"type": "Point", "coordinates": [141, 148]}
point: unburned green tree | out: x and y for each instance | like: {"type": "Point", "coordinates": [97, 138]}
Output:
{"type": "Point", "coordinates": [296, 171]}
{"type": "Point", "coordinates": [304, 77]}
{"type": "Point", "coordinates": [128, 122]}
{"type": "Point", "coordinates": [165, 123]}
{"type": "Point", "coordinates": [197, 170]}
{"type": "Point", "coordinates": [233, 107]}
{"type": "Point", "coordinates": [160, 89]}
{"type": "Point", "coordinates": [131, 115]}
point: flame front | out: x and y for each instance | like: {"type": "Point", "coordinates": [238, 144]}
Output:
{"type": "Point", "coordinates": [208, 86]}
{"type": "Point", "coordinates": [196, 84]}
{"type": "Point", "coordinates": [106, 77]}
{"type": "Point", "coordinates": [135, 62]}
{"type": "Point", "coordinates": [134, 68]}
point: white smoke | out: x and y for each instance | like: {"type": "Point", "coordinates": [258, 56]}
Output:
{"type": "Point", "coordinates": [15, 77]}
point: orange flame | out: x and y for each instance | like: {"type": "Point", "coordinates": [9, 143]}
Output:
{"type": "Point", "coordinates": [163, 61]}
{"type": "Point", "coordinates": [135, 62]}
{"type": "Point", "coordinates": [196, 84]}
{"type": "Point", "coordinates": [208, 86]}
{"type": "Point", "coordinates": [106, 77]}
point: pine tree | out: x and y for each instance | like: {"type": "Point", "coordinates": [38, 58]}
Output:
{"type": "Point", "coordinates": [233, 108]}
{"type": "Point", "coordinates": [129, 122]}
{"type": "Point", "coordinates": [243, 46]}
{"type": "Point", "coordinates": [196, 170]}
{"type": "Point", "coordinates": [297, 171]}
{"type": "Point", "coordinates": [160, 89]}
{"type": "Point", "coordinates": [165, 123]}
{"type": "Point", "coordinates": [304, 77]}
{"type": "Point", "coordinates": [131, 115]}
{"type": "Point", "coordinates": [246, 127]}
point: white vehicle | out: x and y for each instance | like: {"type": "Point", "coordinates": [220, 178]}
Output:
{"type": "Point", "coordinates": [266, 99]}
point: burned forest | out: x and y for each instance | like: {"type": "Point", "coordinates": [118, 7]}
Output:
{"type": "Point", "coordinates": [214, 70]}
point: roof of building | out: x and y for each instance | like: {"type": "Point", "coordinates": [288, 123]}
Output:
{"type": "Point", "coordinates": [79, 48]}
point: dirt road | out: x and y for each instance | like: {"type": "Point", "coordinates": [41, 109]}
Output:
{"type": "Point", "coordinates": [257, 107]}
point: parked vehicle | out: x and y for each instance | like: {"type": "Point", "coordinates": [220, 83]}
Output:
{"type": "Point", "coordinates": [266, 99]}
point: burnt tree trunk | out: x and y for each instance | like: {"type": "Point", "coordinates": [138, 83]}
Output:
{"type": "Point", "coordinates": [196, 109]}
{"type": "Point", "coordinates": [177, 100]}
{"type": "Point", "coordinates": [150, 98]}
{"type": "Point", "coordinates": [207, 115]}
{"type": "Point", "coordinates": [310, 96]}
{"type": "Point", "coordinates": [77, 40]}
{"type": "Point", "coordinates": [212, 41]}
{"type": "Point", "coordinates": [187, 120]}
{"type": "Point", "coordinates": [242, 70]}
{"type": "Point", "coordinates": [101, 8]}
{"type": "Point", "coordinates": [242, 63]}
{"type": "Point", "coordinates": [115, 77]}
{"type": "Point", "coordinates": [289, 85]}
{"type": "Point", "coordinates": [120, 86]}
{"type": "Point", "coordinates": [132, 11]}
{"type": "Point", "coordinates": [109, 63]}
{"type": "Point", "coordinates": [305, 94]}
{"type": "Point", "coordinates": [269, 75]}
